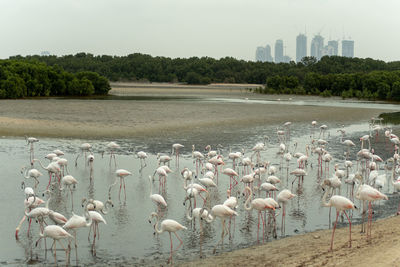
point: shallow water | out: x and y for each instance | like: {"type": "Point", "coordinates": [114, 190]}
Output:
{"type": "Point", "coordinates": [128, 236]}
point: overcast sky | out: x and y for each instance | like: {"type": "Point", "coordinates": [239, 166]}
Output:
{"type": "Point", "coordinates": [185, 28]}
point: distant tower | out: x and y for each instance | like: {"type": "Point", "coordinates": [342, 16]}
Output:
{"type": "Point", "coordinates": [268, 56]}
{"type": "Point", "coordinates": [348, 48]}
{"type": "Point", "coordinates": [335, 45]}
{"type": "Point", "coordinates": [301, 47]}
{"type": "Point", "coordinates": [278, 51]}
{"type": "Point", "coordinates": [317, 45]}
{"type": "Point", "coordinates": [260, 54]}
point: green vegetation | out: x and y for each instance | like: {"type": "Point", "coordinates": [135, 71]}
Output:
{"type": "Point", "coordinates": [331, 76]}
{"type": "Point", "coordinates": [33, 78]}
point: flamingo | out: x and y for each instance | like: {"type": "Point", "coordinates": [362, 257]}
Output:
{"type": "Point", "coordinates": [30, 141]}
{"type": "Point", "coordinates": [76, 222]}
{"type": "Point", "coordinates": [170, 226]}
{"type": "Point", "coordinates": [32, 173]}
{"type": "Point", "coordinates": [368, 193]}
{"type": "Point", "coordinates": [112, 146]}
{"type": "Point", "coordinates": [66, 182]}
{"type": "Point", "coordinates": [164, 159]}
{"type": "Point", "coordinates": [142, 156]}
{"type": "Point", "coordinates": [157, 198]}
{"type": "Point", "coordinates": [121, 173]}
{"type": "Point", "coordinates": [30, 202]}
{"type": "Point", "coordinates": [52, 168]}
{"type": "Point", "coordinates": [85, 147]}
{"type": "Point", "coordinates": [97, 205]}
{"type": "Point", "coordinates": [56, 233]}
{"type": "Point", "coordinates": [198, 156]}
{"type": "Point", "coordinates": [258, 204]}
{"type": "Point", "coordinates": [341, 204]}
{"type": "Point", "coordinates": [176, 147]}
{"type": "Point", "coordinates": [223, 212]}
{"type": "Point", "coordinates": [232, 174]}
{"type": "Point", "coordinates": [96, 219]}
{"type": "Point", "coordinates": [283, 197]}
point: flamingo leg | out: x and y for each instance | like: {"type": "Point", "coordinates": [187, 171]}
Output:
{"type": "Point", "coordinates": [334, 228]}
{"type": "Point", "coordinates": [349, 227]}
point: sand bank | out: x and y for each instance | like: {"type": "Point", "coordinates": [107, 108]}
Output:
{"type": "Point", "coordinates": [91, 118]}
{"type": "Point", "coordinates": [312, 249]}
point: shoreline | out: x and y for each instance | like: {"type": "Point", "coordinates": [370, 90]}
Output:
{"type": "Point", "coordinates": [312, 249]}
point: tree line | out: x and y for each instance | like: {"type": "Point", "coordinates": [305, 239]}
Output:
{"type": "Point", "coordinates": [22, 78]}
{"type": "Point", "coordinates": [334, 75]}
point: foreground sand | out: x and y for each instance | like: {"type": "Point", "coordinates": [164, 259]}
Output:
{"type": "Point", "coordinates": [312, 249]}
{"type": "Point", "coordinates": [88, 118]}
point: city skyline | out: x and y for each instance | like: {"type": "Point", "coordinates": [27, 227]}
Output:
{"type": "Point", "coordinates": [317, 49]}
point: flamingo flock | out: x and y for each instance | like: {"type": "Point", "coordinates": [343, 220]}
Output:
{"type": "Point", "coordinates": [257, 181]}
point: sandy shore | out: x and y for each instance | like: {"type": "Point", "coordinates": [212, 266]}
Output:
{"type": "Point", "coordinates": [312, 249]}
{"type": "Point", "coordinates": [90, 118]}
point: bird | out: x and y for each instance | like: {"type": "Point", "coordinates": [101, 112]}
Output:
{"type": "Point", "coordinates": [176, 147]}
{"type": "Point", "coordinates": [55, 232]}
{"type": "Point", "coordinates": [368, 193]}
{"type": "Point", "coordinates": [112, 146]}
{"type": "Point", "coordinates": [170, 226]}
{"type": "Point", "coordinates": [75, 222]}
{"type": "Point", "coordinates": [157, 198]}
{"type": "Point", "coordinates": [223, 212]}
{"type": "Point", "coordinates": [31, 173]}
{"type": "Point", "coordinates": [52, 168]}
{"type": "Point", "coordinates": [341, 204]}
{"type": "Point", "coordinates": [121, 173]}
{"type": "Point", "coordinates": [258, 204]}
{"type": "Point", "coordinates": [142, 156]}
{"type": "Point", "coordinates": [66, 182]}
{"type": "Point", "coordinates": [97, 205]}
{"type": "Point", "coordinates": [30, 141]}
{"type": "Point", "coordinates": [232, 174]}
{"type": "Point", "coordinates": [96, 219]}
{"type": "Point", "coordinates": [283, 197]}
{"type": "Point", "coordinates": [85, 147]}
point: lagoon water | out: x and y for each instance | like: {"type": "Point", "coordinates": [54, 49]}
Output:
{"type": "Point", "coordinates": [128, 237]}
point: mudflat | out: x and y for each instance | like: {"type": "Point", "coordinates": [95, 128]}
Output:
{"type": "Point", "coordinates": [119, 118]}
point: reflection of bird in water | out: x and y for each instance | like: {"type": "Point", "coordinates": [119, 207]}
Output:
{"type": "Point", "coordinates": [341, 204]}
{"type": "Point", "coordinates": [170, 226]}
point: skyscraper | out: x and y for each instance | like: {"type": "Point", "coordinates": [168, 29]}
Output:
{"type": "Point", "coordinates": [317, 45]}
{"type": "Point", "coordinates": [260, 54]}
{"type": "Point", "coordinates": [301, 47]}
{"type": "Point", "coordinates": [268, 56]}
{"type": "Point", "coordinates": [278, 51]}
{"type": "Point", "coordinates": [335, 46]}
{"type": "Point", "coordinates": [348, 48]}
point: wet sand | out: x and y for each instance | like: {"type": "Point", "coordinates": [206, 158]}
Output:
{"type": "Point", "coordinates": [312, 249]}
{"type": "Point", "coordinates": [90, 118]}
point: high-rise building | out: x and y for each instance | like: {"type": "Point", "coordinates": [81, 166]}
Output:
{"type": "Point", "coordinates": [260, 54]}
{"type": "Point", "coordinates": [335, 46]}
{"type": "Point", "coordinates": [278, 51]}
{"type": "Point", "coordinates": [301, 47]}
{"type": "Point", "coordinates": [268, 56]}
{"type": "Point", "coordinates": [348, 48]}
{"type": "Point", "coordinates": [317, 45]}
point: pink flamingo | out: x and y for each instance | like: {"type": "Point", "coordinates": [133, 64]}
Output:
{"type": "Point", "coordinates": [170, 226]}
{"type": "Point", "coordinates": [121, 173]}
{"type": "Point", "coordinates": [283, 197]}
{"type": "Point", "coordinates": [341, 204]}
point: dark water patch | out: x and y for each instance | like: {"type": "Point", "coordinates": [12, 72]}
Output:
{"type": "Point", "coordinates": [392, 117]}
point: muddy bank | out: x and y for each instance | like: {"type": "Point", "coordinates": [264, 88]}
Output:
{"type": "Point", "coordinates": [312, 249]}
{"type": "Point", "coordinates": [119, 118]}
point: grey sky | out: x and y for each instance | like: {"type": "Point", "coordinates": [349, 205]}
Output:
{"type": "Point", "coordinates": [185, 28]}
